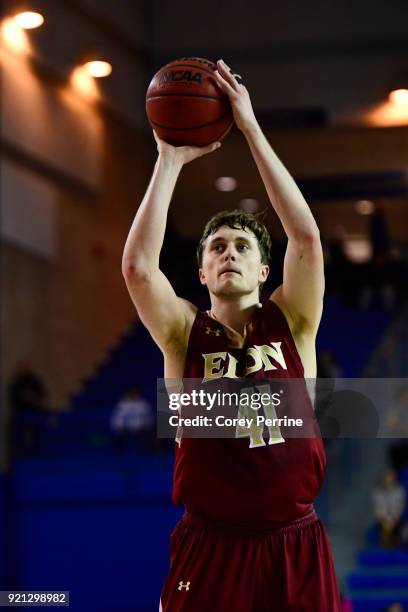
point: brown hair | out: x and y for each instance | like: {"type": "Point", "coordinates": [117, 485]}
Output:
{"type": "Point", "coordinates": [237, 219]}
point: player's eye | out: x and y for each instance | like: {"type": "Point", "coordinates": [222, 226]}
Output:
{"type": "Point", "coordinates": [242, 247]}
{"type": "Point", "coordinates": [218, 248]}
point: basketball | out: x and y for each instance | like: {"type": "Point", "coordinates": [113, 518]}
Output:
{"type": "Point", "coordinates": [186, 106]}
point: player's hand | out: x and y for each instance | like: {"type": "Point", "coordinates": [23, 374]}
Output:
{"type": "Point", "coordinates": [184, 154]}
{"type": "Point", "coordinates": [238, 96]}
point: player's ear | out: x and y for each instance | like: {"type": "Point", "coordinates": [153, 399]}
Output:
{"type": "Point", "coordinates": [201, 276]}
{"type": "Point", "coordinates": [264, 273]}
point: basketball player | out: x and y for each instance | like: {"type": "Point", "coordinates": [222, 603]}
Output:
{"type": "Point", "coordinates": [250, 540]}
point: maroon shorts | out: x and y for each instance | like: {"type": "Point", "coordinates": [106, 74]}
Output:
{"type": "Point", "coordinates": [226, 569]}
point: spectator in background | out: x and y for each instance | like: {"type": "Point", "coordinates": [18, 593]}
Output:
{"type": "Point", "coordinates": [339, 271]}
{"type": "Point", "coordinates": [380, 286]}
{"type": "Point", "coordinates": [379, 234]}
{"type": "Point", "coordinates": [396, 606]}
{"type": "Point", "coordinates": [397, 425]}
{"type": "Point", "coordinates": [327, 371]}
{"type": "Point", "coordinates": [389, 505]}
{"type": "Point", "coordinates": [26, 390]}
{"type": "Point", "coordinates": [132, 419]}
{"type": "Point", "coordinates": [327, 366]}
{"type": "Point", "coordinates": [29, 410]}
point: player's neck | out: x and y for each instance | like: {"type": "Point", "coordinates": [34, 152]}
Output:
{"type": "Point", "coordinates": [234, 313]}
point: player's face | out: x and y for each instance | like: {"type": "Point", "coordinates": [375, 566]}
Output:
{"type": "Point", "coordinates": [231, 262]}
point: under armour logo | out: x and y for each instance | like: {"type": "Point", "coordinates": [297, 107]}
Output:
{"type": "Point", "coordinates": [182, 586]}
{"type": "Point", "coordinates": [209, 331]}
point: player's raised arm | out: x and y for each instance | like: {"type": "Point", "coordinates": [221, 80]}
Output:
{"type": "Point", "coordinates": [303, 276]}
{"type": "Point", "coordinates": [161, 311]}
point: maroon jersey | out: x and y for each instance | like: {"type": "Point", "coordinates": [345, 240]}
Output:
{"type": "Point", "coordinates": [248, 481]}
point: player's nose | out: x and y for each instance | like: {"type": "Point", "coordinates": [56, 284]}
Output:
{"type": "Point", "coordinates": [229, 253]}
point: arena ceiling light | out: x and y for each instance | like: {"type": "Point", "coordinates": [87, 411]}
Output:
{"type": "Point", "coordinates": [249, 205]}
{"type": "Point", "coordinates": [28, 20]}
{"type": "Point", "coordinates": [226, 183]}
{"type": "Point", "coordinates": [398, 90]}
{"type": "Point", "coordinates": [399, 96]}
{"type": "Point", "coordinates": [98, 68]}
{"type": "Point", "coordinates": [365, 207]}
